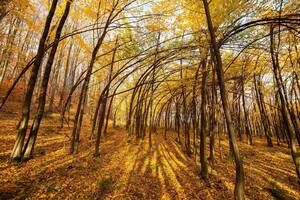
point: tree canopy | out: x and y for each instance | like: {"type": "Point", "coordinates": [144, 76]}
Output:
{"type": "Point", "coordinates": [195, 72]}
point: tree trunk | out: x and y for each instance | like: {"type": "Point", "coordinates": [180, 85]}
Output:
{"type": "Point", "coordinates": [204, 169]}
{"type": "Point", "coordinates": [240, 180]}
{"type": "Point", "coordinates": [263, 113]}
{"type": "Point", "coordinates": [67, 70]}
{"type": "Point", "coordinates": [42, 97]}
{"type": "Point", "coordinates": [54, 82]}
{"type": "Point", "coordinates": [284, 104]}
{"type": "Point", "coordinates": [18, 146]}
{"type": "Point", "coordinates": [212, 124]}
{"type": "Point", "coordinates": [247, 129]}
{"type": "Point", "coordinates": [84, 90]}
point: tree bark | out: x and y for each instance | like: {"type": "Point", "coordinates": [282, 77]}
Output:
{"type": "Point", "coordinates": [212, 123]}
{"type": "Point", "coordinates": [283, 101]}
{"type": "Point", "coordinates": [43, 93]}
{"type": "Point", "coordinates": [240, 180]}
{"type": "Point", "coordinates": [19, 143]}
{"type": "Point", "coordinates": [203, 162]}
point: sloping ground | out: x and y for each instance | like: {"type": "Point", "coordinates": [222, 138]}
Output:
{"type": "Point", "coordinates": [130, 170]}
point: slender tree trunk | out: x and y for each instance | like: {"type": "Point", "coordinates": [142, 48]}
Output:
{"type": "Point", "coordinates": [247, 129]}
{"type": "Point", "coordinates": [83, 94]}
{"type": "Point", "coordinates": [284, 104]}
{"type": "Point", "coordinates": [42, 97]}
{"type": "Point", "coordinates": [67, 70]}
{"type": "Point", "coordinates": [194, 110]}
{"type": "Point", "coordinates": [54, 82]}
{"type": "Point", "coordinates": [8, 52]}
{"type": "Point", "coordinates": [19, 143]}
{"type": "Point", "coordinates": [240, 180]}
{"type": "Point", "coordinates": [177, 120]}
{"type": "Point", "coordinates": [203, 162]}
{"type": "Point", "coordinates": [110, 76]}
{"type": "Point", "coordinates": [263, 112]}
{"type": "Point", "coordinates": [212, 124]}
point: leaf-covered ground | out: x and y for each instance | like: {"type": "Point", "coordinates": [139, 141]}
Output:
{"type": "Point", "coordinates": [130, 170]}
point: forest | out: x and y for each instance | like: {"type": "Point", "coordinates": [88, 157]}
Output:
{"type": "Point", "coordinates": [150, 99]}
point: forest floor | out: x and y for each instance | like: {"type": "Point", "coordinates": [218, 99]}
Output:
{"type": "Point", "coordinates": [131, 170]}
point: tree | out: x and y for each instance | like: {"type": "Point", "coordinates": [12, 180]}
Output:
{"type": "Point", "coordinates": [16, 154]}
{"type": "Point", "coordinates": [240, 182]}
{"type": "Point", "coordinates": [43, 92]}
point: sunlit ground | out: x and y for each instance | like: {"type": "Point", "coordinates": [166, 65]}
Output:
{"type": "Point", "coordinates": [130, 170]}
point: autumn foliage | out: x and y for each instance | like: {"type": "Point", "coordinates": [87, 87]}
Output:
{"type": "Point", "coordinates": [149, 99]}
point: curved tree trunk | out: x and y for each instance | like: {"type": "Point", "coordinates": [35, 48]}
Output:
{"type": "Point", "coordinates": [284, 105]}
{"type": "Point", "coordinates": [42, 97]}
{"type": "Point", "coordinates": [18, 146]}
{"type": "Point", "coordinates": [239, 191]}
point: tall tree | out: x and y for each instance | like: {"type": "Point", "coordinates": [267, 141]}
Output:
{"type": "Point", "coordinates": [19, 143]}
{"type": "Point", "coordinates": [43, 92]}
{"type": "Point", "coordinates": [239, 192]}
